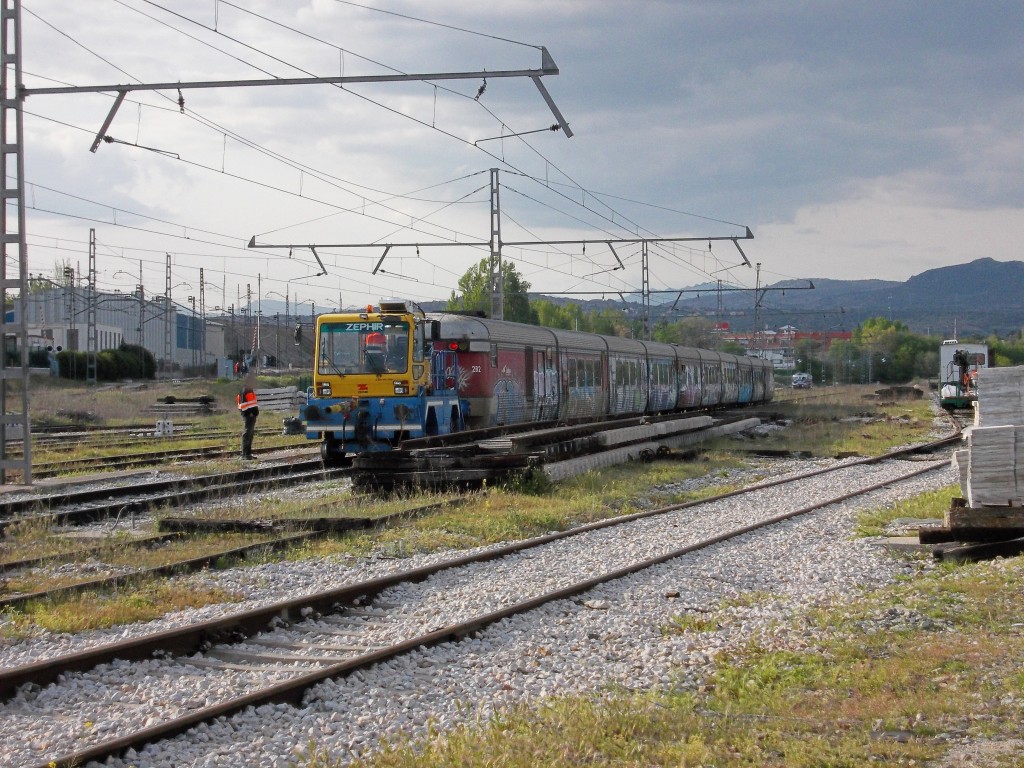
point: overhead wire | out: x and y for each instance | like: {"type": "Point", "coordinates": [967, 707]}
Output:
{"type": "Point", "coordinates": [210, 123]}
{"type": "Point", "coordinates": [339, 209]}
{"type": "Point", "coordinates": [316, 39]}
{"type": "Point", "coordinates": [233, 39]}
{"type": "Point", "coordinates": [427, 21]}
{"type": "Point", "coordinates": [280, 189]}
{"type": "Point", "coordinates": [547, 185]}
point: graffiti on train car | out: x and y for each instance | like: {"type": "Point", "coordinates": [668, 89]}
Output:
{"type": "Point", "coordinates": [445, 372]}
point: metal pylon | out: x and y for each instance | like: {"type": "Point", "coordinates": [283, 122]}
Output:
{"type": "Point", "coordinates": [497, 272]}
{"type": "Point", "coordinates": [91, 340]}
{"type": "Point", "coordinates": [14, 418]}
{"type": "Point", "coordinates": [645, 271]}
{"type": "Point", "coordinates": [168, 350]}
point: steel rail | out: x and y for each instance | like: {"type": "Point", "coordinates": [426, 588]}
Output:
{"type": "Point", "coordinates": [31, 562]}
{"type": "Point", "coordinates": [302, 530]}
{"type": "Point", "coordinates": [170, 569]}
{"type": "Point", "coordinates": [9, 507]}
{"type": "Point", "coordinates": [292, 691]}
{"type": "Point", "coordinates": [150, 458]}
{"type": "Point", "coordinates": [188, 639]}
{"type": "Point", "coordinates": [187, 496]}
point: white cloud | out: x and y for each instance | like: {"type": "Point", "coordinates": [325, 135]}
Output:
{"type": "Point", "coordinates": [888, 230]}
{"type": "Point", "coordinates": [866, 139]}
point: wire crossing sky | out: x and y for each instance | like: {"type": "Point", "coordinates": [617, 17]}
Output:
{"type": "Point", "coordinates": [857, 141]}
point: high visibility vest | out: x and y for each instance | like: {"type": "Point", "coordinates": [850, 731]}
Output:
{"type": "Point", "coordinates": [246, 400]}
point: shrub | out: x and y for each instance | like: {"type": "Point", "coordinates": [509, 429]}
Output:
{"type": "Point", "coordinates": [130, 361]}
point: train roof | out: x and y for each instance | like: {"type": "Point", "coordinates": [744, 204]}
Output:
{"type": "Point", "coordinates": [485, 329]}
{"type": "Point", "coordinates": [488, 330]}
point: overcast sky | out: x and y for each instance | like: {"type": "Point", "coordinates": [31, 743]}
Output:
{"type": "Point", "coordinates": [867, 139]}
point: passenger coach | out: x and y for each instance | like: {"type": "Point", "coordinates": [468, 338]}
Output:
{"type": "Point", "coordinates": [511, 372]}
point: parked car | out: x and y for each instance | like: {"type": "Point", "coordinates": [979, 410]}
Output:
{"type": "Point", "coordinates": [801, 381]}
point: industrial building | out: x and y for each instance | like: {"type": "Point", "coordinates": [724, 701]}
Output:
{"type": "Point", "coordinates": [184, 340]}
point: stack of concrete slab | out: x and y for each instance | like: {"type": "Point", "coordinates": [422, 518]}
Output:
{"type": "Point", "coordinates": [994, 476]}
{"type": "Point", "coordinates": [1000, 397]}
{"type": "Point", "coordinates": [992, 467]}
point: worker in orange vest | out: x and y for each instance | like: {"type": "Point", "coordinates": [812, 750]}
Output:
{"type": "Point", "coordinates": [246, 401]}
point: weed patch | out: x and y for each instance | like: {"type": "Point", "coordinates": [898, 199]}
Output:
{"type": "Point", "coordinates": [99, 611]}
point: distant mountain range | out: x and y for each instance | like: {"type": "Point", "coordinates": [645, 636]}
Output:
{"type": "Point", "coordinates": [979, 298]}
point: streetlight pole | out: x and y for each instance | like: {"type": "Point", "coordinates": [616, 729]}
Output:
{"type": "Point", "coordinates": [192, 341]}
{"type": "Point", "coordinates": [202, 322]}
{"type": "Point", "coordinates": [277, 316]}
{"type": "Point", "coordinates": [231, 325]}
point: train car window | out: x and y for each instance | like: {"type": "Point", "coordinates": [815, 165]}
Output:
{"type": "Point", "coordinates": [572, 373]}
{"type": "Point", "coordinates": [494, 355]}
{"type": "Point", "coordinates": [529, 377]}
{"type": "Point", "coordinates": [338, 350]}
{"type": "Point", "coordinates": [397, 353]}
{"type": "Point", "coordinates": [419, 346]}
{"type": "Point", "coordinates": [345, 348]}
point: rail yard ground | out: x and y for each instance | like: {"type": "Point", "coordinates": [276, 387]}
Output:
{"type": "Point", "coordinates": [926, 671]}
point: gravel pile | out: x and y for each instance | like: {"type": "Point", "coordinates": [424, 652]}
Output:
{"type": "Point", "coordinates": [610, 636]}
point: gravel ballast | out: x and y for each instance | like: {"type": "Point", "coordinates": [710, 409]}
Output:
{"type": "Point", "coordinates": [612, 636]}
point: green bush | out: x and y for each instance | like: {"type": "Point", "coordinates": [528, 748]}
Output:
{"type": "Point", "coordinates": [130, 361]}
{"type": "Point", "coordinates": [39, 358]}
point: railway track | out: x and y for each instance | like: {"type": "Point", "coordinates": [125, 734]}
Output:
{"type": "Point", "coordinates": [278, 652]}
{"type": "Point", "coordinates": [286, 533]}
{"type": "Point", "coordinates": [116, 437]}
{"type": "Point", "coordinates": [90, 504]}
{"type": "Point", "coordinates": [127, 461]}
{"type": "Point", "coordinates": [310, 525]}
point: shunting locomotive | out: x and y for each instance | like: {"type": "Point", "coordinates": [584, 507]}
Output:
{"type": "Point", "coordinates": [394, 373]}
{"type": "Point", "coordinates": [377, 380]}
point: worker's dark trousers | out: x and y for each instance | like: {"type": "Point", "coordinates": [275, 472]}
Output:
{"type": "Point", "coordinates": [248, 432]}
